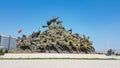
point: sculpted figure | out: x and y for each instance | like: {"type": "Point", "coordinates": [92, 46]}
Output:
{"type": "Point", "coordinates": [59, 25]}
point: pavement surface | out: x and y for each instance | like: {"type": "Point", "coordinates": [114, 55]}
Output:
{"type": "Point", "coordinates": [56, 55]}
{"type": "Point", "coordinates": [59, 63]}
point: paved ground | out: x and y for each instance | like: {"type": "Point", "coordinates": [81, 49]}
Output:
{"type": "Point", "coordinates": [59, 63]}
{"type": "Point", "coordinates": [53, 55]}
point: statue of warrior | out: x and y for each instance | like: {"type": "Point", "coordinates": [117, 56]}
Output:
{"type": "Point", "coordinates": [54, 20]}
{"type": "Point", "coordinates": [59, 25]}
{"type": "Point", "coordinates": [50, 22]}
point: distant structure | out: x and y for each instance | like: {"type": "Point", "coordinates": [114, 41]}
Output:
{"type": "Point", "coordinates": [54, 40]}
{"type": "Point", "coordinates": [7, 42]}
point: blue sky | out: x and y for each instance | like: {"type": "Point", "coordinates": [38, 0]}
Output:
{"type": "Point", "coordinates": [99, 19]}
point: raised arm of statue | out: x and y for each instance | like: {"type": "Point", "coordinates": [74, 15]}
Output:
{"type": "Point", "coordinates": [54, 19]}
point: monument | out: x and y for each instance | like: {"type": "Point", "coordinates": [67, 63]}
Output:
{"type": "Point", "coordinates": [56, 39]}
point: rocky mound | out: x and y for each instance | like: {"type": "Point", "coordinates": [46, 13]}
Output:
{"type": "Point", "coordinates": [56, 39]}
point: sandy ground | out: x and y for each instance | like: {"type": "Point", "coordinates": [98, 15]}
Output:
{"type": "Point", "coordinates": [59, 64]}
{"type": "Point", "coordinates": [53, 55]}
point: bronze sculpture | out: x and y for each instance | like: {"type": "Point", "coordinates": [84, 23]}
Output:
{"type": "Point", "coordinates": [56, 39]}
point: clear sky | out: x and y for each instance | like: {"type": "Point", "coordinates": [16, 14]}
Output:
{"type": "Point", "coordinates": [99, 19]}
